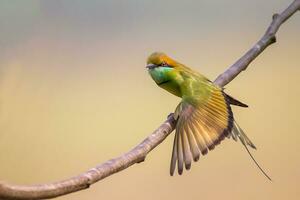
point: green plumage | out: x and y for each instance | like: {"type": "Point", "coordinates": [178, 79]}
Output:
{"type": "Point", "coordinates": [204, 116]}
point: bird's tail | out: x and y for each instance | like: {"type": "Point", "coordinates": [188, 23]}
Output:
{"type": "Point", "coordinates": [238, 133]}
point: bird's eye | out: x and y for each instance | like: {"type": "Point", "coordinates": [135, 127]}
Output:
{"type": "Point", "coordinates": [164, 64]}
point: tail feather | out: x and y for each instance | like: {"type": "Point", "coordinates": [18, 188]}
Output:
{"type": "Point", "coordinates": [237, 132]}
{"type": "Point", "coordinates": [266, 175]}
{"type": "Point", "coordinates": [241, 134]}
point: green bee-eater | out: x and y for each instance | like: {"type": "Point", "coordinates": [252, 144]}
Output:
{"type": "Point", "coordinates": [204, 116]}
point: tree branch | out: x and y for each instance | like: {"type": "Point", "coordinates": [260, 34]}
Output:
{"type": "Point", "coordinates": [138, 154]}
{"type": "Point", "coordinates": [267, 39]}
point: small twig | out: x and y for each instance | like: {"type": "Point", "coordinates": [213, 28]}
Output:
{"type": "Point", "coordinates": [138, 154]}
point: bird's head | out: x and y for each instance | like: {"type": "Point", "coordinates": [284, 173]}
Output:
{"type": "Point", "coordinates": [165, 72]}
{"type": "Point", "coordinates": [161, 68]}
{"type": "Point", "coordinates": [159, 59]}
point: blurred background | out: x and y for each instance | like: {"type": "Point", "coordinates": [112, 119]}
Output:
{"type": "Point", "coordinates": [74, 92]}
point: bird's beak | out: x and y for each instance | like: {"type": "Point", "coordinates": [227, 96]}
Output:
{"type": "Point", "coordinates": [151, 66]}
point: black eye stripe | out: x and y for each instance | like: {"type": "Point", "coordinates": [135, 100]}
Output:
{"type": "Point", "coordinates": [164, 64]}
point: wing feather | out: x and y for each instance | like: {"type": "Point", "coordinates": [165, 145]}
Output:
{"type": "Point", "coordinates": [174, 155]}
{"type": "Point", "coordinates": [200, 127]}
{"type": "Point", "coordinates": [192, 143]}
{"type": "Point", "coordinates": [179, 153]}
{"type": "Point", "coordinates": [186, 150]}
{"type": "Point", "coordinates": [199, 139]}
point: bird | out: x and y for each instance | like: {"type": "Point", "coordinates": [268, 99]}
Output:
{"type": "Point", "coordinates": [204, 116]}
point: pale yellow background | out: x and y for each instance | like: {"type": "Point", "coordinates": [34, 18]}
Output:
{"type": "Point", "coordinates": [74, 92]}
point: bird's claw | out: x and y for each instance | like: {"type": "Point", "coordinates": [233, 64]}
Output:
{"type": "Point", "coordinates": [170, 115]}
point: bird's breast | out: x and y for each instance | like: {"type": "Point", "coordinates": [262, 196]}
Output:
{"type": "Point", "coordinates": [171, 87]}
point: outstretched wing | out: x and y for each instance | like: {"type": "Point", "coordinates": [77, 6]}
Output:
{"type": "Point", "coordinates": [201, 125]}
